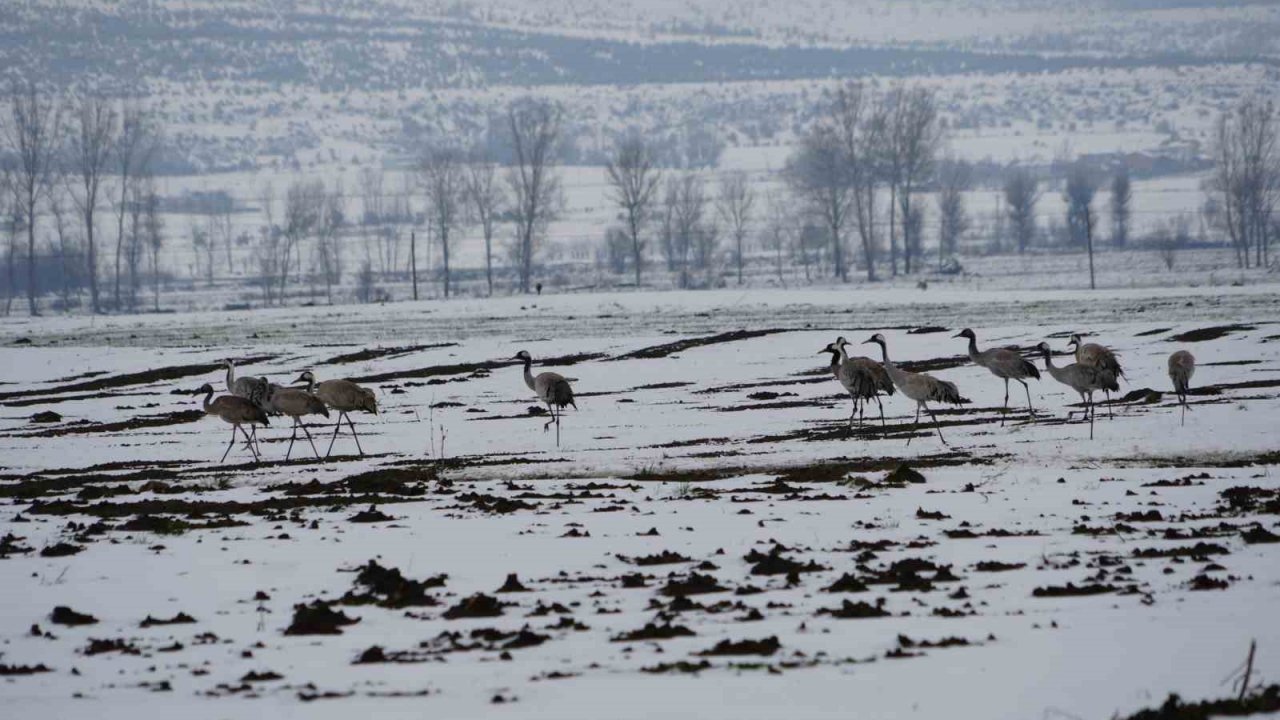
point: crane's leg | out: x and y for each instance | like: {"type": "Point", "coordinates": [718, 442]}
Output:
{"type": "Point", "coordinates": [936, 425]}
{"type": "Point", "coordinates": [1004, 409]}
{"type": "Point", "coordinates": [292, 436]}
{"type": "Point", "coordinates": [1110, 412]}
{"type": "Point", "coordinates": [248, 441]}
{"type": "Point", "coordinates": [1030, 410]}
{"type": "Point", "coordinates": [230, 444]}
{"type": "Point", "coordinates": [313, 442]}
{"type": "Point", "coordinates": [1090, 402]}
{"type": "Point", "coordinates": [915, 424]}
{"type": "Point", "coordinates": [882, 424]}
{"type": "Point", "coordinates": [1182, 399]}
{"type": "Point", "coordinates": [355, 435]}
{"type": "Point", "coordinates": [333, 439]}
{"type": "Point", "coordinates": [550, 422]}
{"type": "Point", "coordinates": [853, 414]}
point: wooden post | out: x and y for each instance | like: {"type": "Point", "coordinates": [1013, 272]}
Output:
{"type": "Point", "coordinates": [413, 261]}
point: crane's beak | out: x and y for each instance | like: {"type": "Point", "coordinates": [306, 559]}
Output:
{"type": "Point", "coordinates": [301, 379]}
{"type": "Point", "coordinates": [867, 342]}
{"type": "Point", "coordinates": [958, 335]}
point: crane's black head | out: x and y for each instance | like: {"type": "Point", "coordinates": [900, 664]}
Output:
{"type": "Point", "coordinates": [524, 355]}
{"type": "Point", "coordinates": [226, 363]}
{"type": "Point", "coordinates": [832, 348]}
{"type": "Point", "coordinates": [1075, 340]}
{"type": "Point", "coordinates": [1044, 347]}
{"type": "Point", "coordinates": [966, 333]}
{"type": "Point", "coordinates": [205, 389]}
{"type": "Point", "coordinates": [305, 377]}
{"type": "Point", "coordinates": [841, 342]}
{"type": "Point", "coordinates": [877, 339]}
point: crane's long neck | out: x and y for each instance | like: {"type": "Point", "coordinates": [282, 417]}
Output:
{"type": "Point", "coordinates": [1054, 371]}
{"type": "Point", "coordinates": [835, 361]}
{"type": "Point", "coordinates": [208, 400]}
{"type": "Point", "coordinates": [973, 348]}
{"type": "Point", "coordinates": [896, 374]}
{"type": "Point", "coordinates": [231, 376]}
{"type": "Point", "coordinates": [843, 355]}
{"type": "Point", "coordinates": [311, 384]}
{"type": "Point", "coordinates": [528, 372]}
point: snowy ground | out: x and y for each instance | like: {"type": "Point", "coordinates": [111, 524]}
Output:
{"type": "Point", "coordinates": [733, 450]}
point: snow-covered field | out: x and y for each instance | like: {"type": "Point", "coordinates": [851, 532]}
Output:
{"type": "Point", "coordinates": [1057, 576]}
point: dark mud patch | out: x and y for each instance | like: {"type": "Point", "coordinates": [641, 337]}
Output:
{"type": "Point", "coordinates": [180, 619]}
{"type": "Point", "coordinates": [856, 610]}
{"type": "Point", "coordinates": [179, 417]}
{"type": "Point", "coordinates": [145, 377]}
{"type": "Point", "coordinates": [1073, 590]}
{"type": "Point", "coordinates": [16, 670]}
{"type": "Point", "coordinates": [694, 584]}
{"type": "Point", "coordinates": [667, 349]}
{"type": "Point", "coordinates": [387, 587]}
{"type": "Point", "coordinates": [63, 615]}
{"type": "Point", "coordinates": [652, 631]}
{"type": "Point", "coordinates": [318, 618]}
{"type": "Point", "coordinates": [1209, 333]}
{"type": "Point", "coordinates": [204, 508]}
{"type": "Point", "coordinates": [375, 353]}
{"type": "Point", "coordinates": [1149, 333]}
{"type": "Point", "coordinates": [473, 369]}
{"type": "Point", "coordinates": [478, 605]}
{"type": "Point", "coordinates": [765, 647]}
{"type": "Point", "coordinates": [1264, 701]}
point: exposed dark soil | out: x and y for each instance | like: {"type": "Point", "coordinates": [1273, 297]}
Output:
{"type": "Point", "coordinates": [63, 615]}
{"type": "Point", "coordinates": [146, 377]}
{"type": "Point", "coordinates": [478, 605]}
{"type": "Point", "coordinates": [473, 368]}
{"type": "Point", "coordinates": [1209, 333]}
{"type": "Point", "coordinates": [660, 351]}
{"type": "Point", "coordinates": [178, 417]}
{"type": "Point", "coordinates": [767, 646]}
{"type": "Point", "coordinates": [375, 353]}
{"type": "Point", "coordinates": [318, 618]}
{"type": "Point", "coordinates": [653, 631]}
{"type": "Point", "coordinates": [387, 587]}
{"type": "Point", "coordinates": [1264, 701]}
{"type": "Point", "coordinates": [180, 619]}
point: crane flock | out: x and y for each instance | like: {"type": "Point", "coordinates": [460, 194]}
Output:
{"type": "Point", "coordinates": [252, 400]}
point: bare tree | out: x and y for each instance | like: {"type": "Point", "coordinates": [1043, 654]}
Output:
{"type": "Point", "coordinates": [535, 186]}
{"type": "Point", "coordinates": [693, 238]}
{"type": "Point", "coordinates": [153, 233]}
{"type": "Point", "coordinates": [443, 174]}
{"type": "Point", "coordinates": [135, 247]}
{"type": "Point", "coordinates": [817, 174]}
{"type": "Point", "coordinates": [1246, 177]}
{"type": "Point", "coordinates": [1021, 194]}
{"type": "Point", "coordinates": [267, 253]}
{"type": "Point", "coordinates": [31, 135]}
{"type": "Point", "coordinates": [861, 126]}
{"type": "Point", "coordinates": [1121, 198]}
{"type": "Point", "coordinates": [1080, 190]}
{"type": "Point", "coordinates": [914, 137]}
{"type": "Point", "coordinates": [66, 249]}
{"type": "Point", "coordinates": [954, 178]}
{"type": "Point", "coordinates": [92, 144]}
{"type": "Point", "coordinates": [734, 204]}
{"type": "Point", "coordinates": [303, 204]}
{"type": "Point", "coordinates": [328, 230]}
{"type": "Point", "coordinates": [12, 216]}
{"type": "Point", "coordinates": [779, 231]}
{"type": "Point", "coordinates": [133, 149]}
{"type": "Point", "coordinates": [487, 203]}
{"type": "Point", "coordinates": [634, 176]}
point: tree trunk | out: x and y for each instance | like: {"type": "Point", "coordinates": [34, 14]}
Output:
{"type": "Point", "coordinates": [488, 260]}
{"type": "Point", "coordinates": [31, 264]}
{"type": "Point", "coordinates": [444, 247]}
{"type": "Point", "coordinates": [893, 229]}
{"type": "Point", "coordinates": [413, 262]}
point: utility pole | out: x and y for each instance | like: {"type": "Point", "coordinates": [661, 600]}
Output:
{"type": "Point", "coordinates": [413, 261]}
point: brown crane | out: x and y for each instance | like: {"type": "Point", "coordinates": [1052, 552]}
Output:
{"type": "Point", "coordinates": [343, 396]}
{"type": "Point", "coordinates": [235, 410]}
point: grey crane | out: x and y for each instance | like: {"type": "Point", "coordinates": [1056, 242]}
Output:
{"type": "Point", "coordinates": [863, 378]}
{"type": "Point", "coordinates": [1004, 364]}
{"type": "Point", "coordinates": [1084, 379]}
{"type": "Point", "coordinates": [1182, 365]}
{"type": "Point", "coordinates": [257, 390]}
{"type": "Point", "coordinates": [298, 403]}
{"type": "Point", "coordinates": [345, 397]}
{"type": "Point", "coordinates": [235, 410]}
{"type": "Point", "coordinates": [551, 388]}
{"type": "Point", "coordinates": [920, 387]}
{"type": "Point", "coordinates": [1101, 357]}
